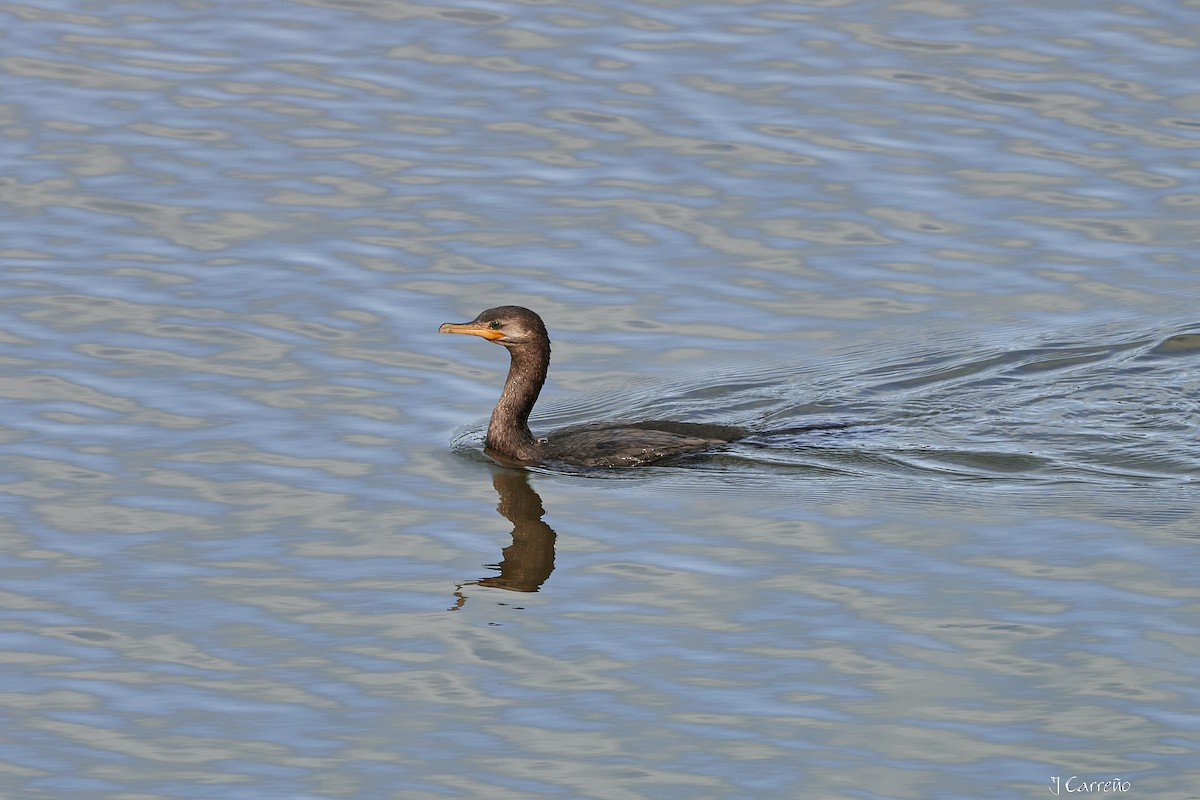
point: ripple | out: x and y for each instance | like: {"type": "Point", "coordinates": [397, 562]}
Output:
{"type": "Point", "coordinates": [233, 526]}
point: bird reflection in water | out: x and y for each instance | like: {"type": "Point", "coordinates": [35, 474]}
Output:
{"type": "Point", "coordinates": [529, 560]}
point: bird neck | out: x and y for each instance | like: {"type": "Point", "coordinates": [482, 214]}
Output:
{"type": "Point", "coordinates": [508, 432]}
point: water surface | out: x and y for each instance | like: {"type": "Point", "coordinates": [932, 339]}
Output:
{"type": "Point", "coordinates": [250, 540]}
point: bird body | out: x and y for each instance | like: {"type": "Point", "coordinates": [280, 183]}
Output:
{"type": "Point", "coordinates": [599, 444]}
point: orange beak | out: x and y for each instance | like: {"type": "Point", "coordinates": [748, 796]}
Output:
{"type": "Point", "coordinates": [471, 329]}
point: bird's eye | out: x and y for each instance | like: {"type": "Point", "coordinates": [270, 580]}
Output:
{"type": "Point", "coordinates": [495, 326]}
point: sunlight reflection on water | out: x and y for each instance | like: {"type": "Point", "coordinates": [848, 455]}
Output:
{"type": "Point", "coordinates": [242, 481]}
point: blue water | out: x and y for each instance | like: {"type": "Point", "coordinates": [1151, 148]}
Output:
{"type": "Point", "coordinates": [252, 548]}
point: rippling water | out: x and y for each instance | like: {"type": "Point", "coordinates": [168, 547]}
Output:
{"type": "Point", "coordinates": [252, 550]}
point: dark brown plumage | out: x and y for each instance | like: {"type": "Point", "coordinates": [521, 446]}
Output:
{"type": "Point", "coordinates": [509, 439]}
